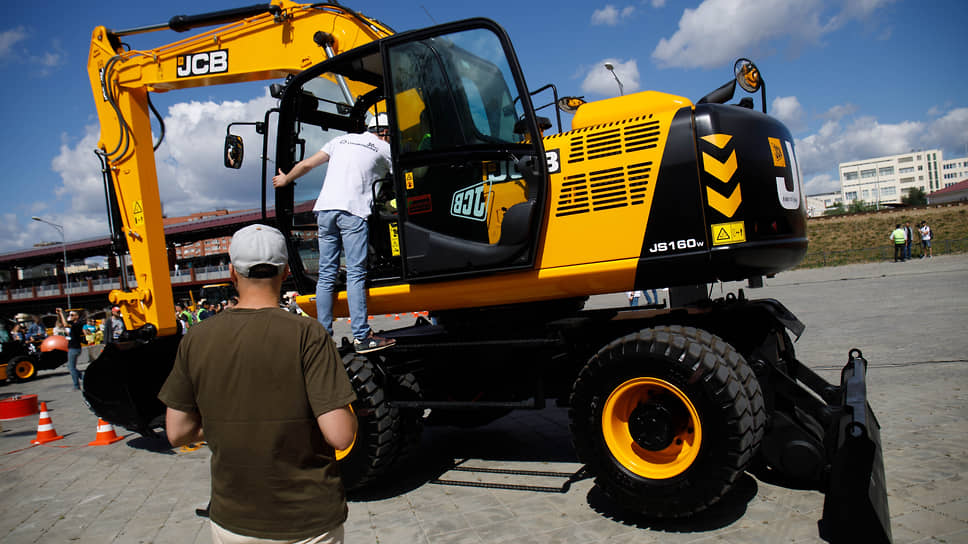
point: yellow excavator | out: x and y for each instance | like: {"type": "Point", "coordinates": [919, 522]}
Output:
{"type": "Point", "coordinates": [501, 228]}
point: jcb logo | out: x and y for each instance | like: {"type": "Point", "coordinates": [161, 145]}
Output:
{"type": "Point", "coordinates": [472, 202]}
{"type": "Point", "coordinates": [207, 62]}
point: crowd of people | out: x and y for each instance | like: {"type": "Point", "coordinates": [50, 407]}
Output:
{"type": "Point", "coordinates": [903, 237]}
{"type": "Point", "coordinates": [204, 310]}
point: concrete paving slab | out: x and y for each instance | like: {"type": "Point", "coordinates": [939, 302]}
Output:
{"type": "Point", "coordinates": [908, 318]}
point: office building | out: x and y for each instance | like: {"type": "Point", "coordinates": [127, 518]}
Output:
{"type": "Point", "coordinates": [885, 180]}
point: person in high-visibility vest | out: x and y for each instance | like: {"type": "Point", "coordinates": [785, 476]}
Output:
{"type": "Point", "coordinates": [898, 237]}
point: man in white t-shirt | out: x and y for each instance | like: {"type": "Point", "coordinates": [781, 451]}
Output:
{"type": "Point", "coordinates": [925, 231]}
{"type": "Point", "coordinates": [355, 162]}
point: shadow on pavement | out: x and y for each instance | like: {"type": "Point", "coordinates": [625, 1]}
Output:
{"type": "Point", "coordinates": [730, 508]}
{"type": "Point", "coordinates": [155, 444]}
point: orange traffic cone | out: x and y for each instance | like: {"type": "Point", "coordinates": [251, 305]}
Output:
{"type": "Point", "coordinates": [105, 434]}
{"type": "Point", "coordinates": [45, 428]}
{"type": "Point", "coordinates": [396, 317]}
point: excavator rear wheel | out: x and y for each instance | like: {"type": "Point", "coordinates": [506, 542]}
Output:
{"type": "Point", "coordinates": [379, 432]}
{"type": "Point", "coordinates": [662, 421]}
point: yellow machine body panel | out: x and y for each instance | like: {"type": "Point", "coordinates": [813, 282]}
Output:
{"type": "Point", "coordinates": [601, 195]}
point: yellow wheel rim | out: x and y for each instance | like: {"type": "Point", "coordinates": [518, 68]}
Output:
{"type": "Point", "coordinates": [24, 369]}
{"type": "Point", "coordinates": [343, 454]}
{"type": "Point", "coordinates": [684, 435]}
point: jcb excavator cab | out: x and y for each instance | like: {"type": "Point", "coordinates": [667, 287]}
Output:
{"type": "Point", "coordinates": [462, 197]}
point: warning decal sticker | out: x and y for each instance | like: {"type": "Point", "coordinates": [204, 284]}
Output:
{"type": "Point", "coordinates": [728, 233]}
{"type": "Point", "coordinates": [139, 213]}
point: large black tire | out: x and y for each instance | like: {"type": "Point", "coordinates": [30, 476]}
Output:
{"type": "Point", "coordinates": [411, 419]}
{"type": "Point", "coordinates": [662, 421]}
{"type": "Point", "coordinates": [21, 369]}
{"type": "Point", "coordinates": [379, 434]}
{"type": "Point", "coordinates": [745, 375]}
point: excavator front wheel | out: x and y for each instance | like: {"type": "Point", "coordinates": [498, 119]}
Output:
{"type": "Point", "coordinates": [662, 421]}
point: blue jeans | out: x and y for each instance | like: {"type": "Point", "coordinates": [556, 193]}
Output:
{"type": "Point", "coordinates": [72, 355]}
{"type": "Point", "coordinates": [342, 230]}
{"type": "Point", "coordinates": [651, 297]}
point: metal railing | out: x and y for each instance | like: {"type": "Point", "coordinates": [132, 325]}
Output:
{"type": "Point", "coordinates": [876, 254]}
{"type": "Point", "coordinates": [211, 274]}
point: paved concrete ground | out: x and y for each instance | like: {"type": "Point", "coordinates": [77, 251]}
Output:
{"type": "Point", "coordinates": [908, 318]}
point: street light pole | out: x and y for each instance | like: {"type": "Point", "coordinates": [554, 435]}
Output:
{"type": "Point", "coordinates": [611, 68]}
{"type": "Point", "coordinates": [60, 229]}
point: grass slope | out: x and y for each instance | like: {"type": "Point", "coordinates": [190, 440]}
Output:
{"type": "Point", "coordinates": [864, 237]}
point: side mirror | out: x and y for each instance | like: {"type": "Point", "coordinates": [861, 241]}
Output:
{"type": "Point", "coordinates": [234, 151]}
{"type": "Point", "coordinates": [747, 75]}
{"type": "Point", "coordinates": [570, 104]}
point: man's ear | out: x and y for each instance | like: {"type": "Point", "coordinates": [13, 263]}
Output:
{"type": "Point", "coordinates": [233, 275]}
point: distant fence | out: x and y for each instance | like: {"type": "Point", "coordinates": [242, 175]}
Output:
{"type": "Point", "coordinates": [875, 254]}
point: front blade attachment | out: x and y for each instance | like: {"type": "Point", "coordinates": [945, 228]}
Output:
{"type": "Point", "coordinates": [855, 507]}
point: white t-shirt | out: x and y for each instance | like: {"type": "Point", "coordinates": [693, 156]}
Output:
{"type": "Point", "coordinates": [925, 232]}
{"type": "Point", "coordinates": [355, 162]}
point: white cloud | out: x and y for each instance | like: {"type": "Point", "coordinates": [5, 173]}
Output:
{"type": "Point", "coordinates": [820, 153]}
{"type": "Point", "coordinates": [838, 112]}
{"type": "Point", "coordinates": [599, 80]}
{"type": "Point", "coordinates": [610, 15]}
{"type": "Point", "coordinates": [820, 184]}
{"type": "Point", "coordinates": [191, 175]}
{"type": "Point", "coordinates": [719, 31]}
{"type": "Point", "coordinates": [658, 3]}
{"type": "Point", "coordinates": [788, 110]}
{"type": "Point", "coordinates": [9, 38]}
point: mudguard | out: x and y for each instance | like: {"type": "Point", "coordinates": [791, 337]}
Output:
{"type": "Point", "coordinates": [855, 508]}
{"type": "Point", "coordinates": [121, 386]}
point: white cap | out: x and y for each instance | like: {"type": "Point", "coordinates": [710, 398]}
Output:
{"type": "Point", "coordinates": [255, 245]}
{"type": "Point", "coordinates": [378, 122]}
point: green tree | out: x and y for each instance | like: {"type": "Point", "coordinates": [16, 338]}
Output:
{"type": "Point", "coordinates": [836, 209]}
{"type": "Point", "coordinates": [915, 197]}
{"type": "Point", "coordinates": [859, 206]}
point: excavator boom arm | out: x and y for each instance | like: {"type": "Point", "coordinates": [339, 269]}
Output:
{"type": "Point", "coordinates": [257, 43]}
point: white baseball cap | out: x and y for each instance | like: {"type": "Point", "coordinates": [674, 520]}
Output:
{"type": "Point", "coordinates": [255, 245]}
{"type": "Point", "coordinates": [378, 122]}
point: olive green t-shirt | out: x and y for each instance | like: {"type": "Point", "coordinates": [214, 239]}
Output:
{"type": "Point", "coordinates": [259, 378]}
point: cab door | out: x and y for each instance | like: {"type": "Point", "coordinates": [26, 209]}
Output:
{"type": "Point", "coordinates": [469, 168]}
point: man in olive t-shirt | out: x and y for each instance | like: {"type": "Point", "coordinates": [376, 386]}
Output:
{"type": "Point", "coordinates": [272, 395]}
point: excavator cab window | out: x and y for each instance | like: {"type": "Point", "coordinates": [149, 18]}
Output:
{"type": "Point", "coordinates": [464, 192]}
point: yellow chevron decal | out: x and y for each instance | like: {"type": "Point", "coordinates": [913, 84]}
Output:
{"type": "Point", "coordinates": [718, 140]}
{"type": "Point", "coordinates": [722, 204]}
{"type": "Point", "coordinates": [720, 170]}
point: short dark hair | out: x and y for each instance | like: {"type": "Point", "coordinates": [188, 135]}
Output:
{"type": "Point", "coordinates": [263, 271]}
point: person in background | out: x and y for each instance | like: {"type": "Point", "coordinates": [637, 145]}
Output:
{"type": "Point", "coordinates": [908, 240]}
{"type": "Point", "coordinates": [206, 311]}
{"type": "Point", "coordinates": [262, 492]}
{"type": "Point", "coordinates": [112, 326]}
{"type": "Point", "coordinates": [16, 333]}
{"type": "Point", "coordinates": [75, 325]}
{"type": "Point", "coordinates": [90, 331]}
{"type": "Point", "coordinates": [898, 238]}
{"type": "Point", "coordinates": [184, 315]}
{"type": "Point", "coordinates": [926, 236]}
{"type": "Point", "coordinates": [36, 331]}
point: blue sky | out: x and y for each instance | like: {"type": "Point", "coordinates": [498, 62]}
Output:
{"type": "Point", "coordinates": [852, 80]}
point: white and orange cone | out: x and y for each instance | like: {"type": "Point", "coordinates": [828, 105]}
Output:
{"type": "Point", "coordinates": [45, 428]}
{"type": "Point", "coordinates": [105, 434]}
